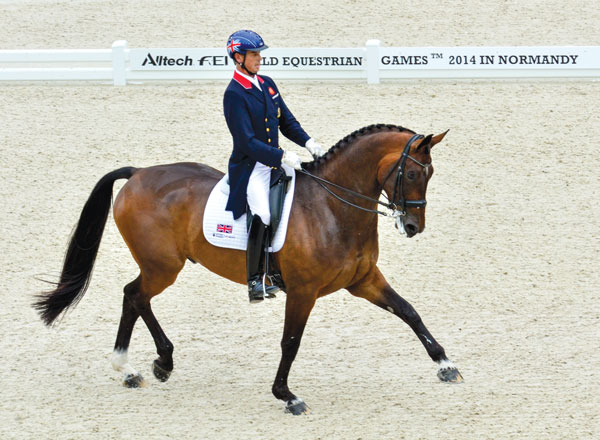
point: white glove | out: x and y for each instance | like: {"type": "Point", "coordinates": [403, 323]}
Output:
{"type": "Point", "coordinates": [314, 148]}
{"type": "Point", "coordinates": [290, 158]}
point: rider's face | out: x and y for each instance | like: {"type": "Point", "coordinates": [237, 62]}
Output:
{"type": "Point", "coordinates": [252, 62]}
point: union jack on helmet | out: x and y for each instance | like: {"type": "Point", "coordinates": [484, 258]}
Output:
{"type": "Point", "coordinates": [243, 41]}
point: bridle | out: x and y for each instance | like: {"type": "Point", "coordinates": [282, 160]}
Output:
{"type": "Point", "coordinates": [398, 207]}
{"type": "Point", "coordinates": [399, 183]}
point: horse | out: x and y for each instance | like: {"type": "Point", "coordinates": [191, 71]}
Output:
{"type": "Point", "coordinates": [331, 244]}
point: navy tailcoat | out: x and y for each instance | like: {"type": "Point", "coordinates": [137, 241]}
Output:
{"type": "Point", "coordinates": [254, 118]}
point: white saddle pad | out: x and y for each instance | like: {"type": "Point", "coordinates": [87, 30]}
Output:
{"type": "Point", "coordinates": [220, 229]}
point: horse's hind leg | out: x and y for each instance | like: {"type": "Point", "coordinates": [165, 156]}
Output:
{"type": "Point", "coordinates": [376, 289]}
{"type": "Point", "coordinates": [136, 303]}
{"type": "Point", "coordinates": [129, 316]}
{"type": "Point", "coordinates": [163, 365]}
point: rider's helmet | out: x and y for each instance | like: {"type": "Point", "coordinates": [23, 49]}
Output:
{"type": "Point", "coordinates": [243, 41]}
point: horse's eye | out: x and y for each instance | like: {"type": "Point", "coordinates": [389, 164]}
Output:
{"type": "Point", "coordinates": [411, 175]}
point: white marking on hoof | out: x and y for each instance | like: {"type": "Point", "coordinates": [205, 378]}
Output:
{"type": "Point", "coordinates": [297, 407]}
{"type": "Point", "coordinates": [446, 365]}
{"type": "Point", "coordinates": [120, 363]}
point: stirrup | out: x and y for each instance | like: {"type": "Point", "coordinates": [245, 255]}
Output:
{"type": "Point", "coordinates": [271, 290]}
{"type": "Point", "coordinates": [258, 290]}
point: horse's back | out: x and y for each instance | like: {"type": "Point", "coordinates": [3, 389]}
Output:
{"type": "Point", "coordinates": [161, 181]}
{"type": "Point", "coordinates": [163, 178]}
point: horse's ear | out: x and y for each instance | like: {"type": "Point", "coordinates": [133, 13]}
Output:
{"type": "Point", "coordinates": [425, 143]}
{"type": "Point", "coordinates": [437, 139]}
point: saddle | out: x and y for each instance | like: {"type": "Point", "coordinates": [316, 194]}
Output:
{"type": "Point", "coordinates": [222, 230]}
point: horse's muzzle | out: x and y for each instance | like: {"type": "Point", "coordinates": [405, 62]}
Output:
{"type": "Point", "coordinates": [411, 229]}
{"type": "Point", "coordinates": [408, 225]}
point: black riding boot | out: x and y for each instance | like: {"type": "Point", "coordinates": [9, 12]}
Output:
{"type": "Point", "coordinates": [257, 290]}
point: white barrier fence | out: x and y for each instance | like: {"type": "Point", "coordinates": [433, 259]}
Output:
{"type": "Point", "coordinates": [121, 65]}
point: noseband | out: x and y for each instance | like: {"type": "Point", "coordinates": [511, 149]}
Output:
{"type": "Point", "coordinates": [398, 207]}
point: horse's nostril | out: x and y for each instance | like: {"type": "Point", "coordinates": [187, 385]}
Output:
{"type": "Point", "coordinates": [411, 229]}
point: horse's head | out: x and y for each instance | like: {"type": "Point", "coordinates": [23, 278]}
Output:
{"type": "Point", "coordinates": [404, 178]}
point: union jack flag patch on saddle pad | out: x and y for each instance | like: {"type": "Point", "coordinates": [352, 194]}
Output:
{"type": "Point", "coordinates": [226, 229]}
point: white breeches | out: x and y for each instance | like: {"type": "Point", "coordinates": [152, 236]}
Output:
{"type": "Point", "coordinates": [258, 192]}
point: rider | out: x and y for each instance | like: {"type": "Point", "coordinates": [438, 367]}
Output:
{"type": "Point", "coordinates": [255, 112]}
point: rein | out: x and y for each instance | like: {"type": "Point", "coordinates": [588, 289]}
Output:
{"type": "Point", "coordinates": [398, 186]}
{"type": "Point", "coordinates": [321, 181]}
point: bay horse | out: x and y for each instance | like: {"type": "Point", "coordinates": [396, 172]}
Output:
{"type": "Point", "coordinates": [331, 243]}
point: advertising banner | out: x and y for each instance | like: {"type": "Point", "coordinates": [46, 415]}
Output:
{"type": "Point", "coordinates": [277, 59]}
{"type": "Point", "coordinates": [453, 58]}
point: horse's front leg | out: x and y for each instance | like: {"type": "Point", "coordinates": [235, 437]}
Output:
{"type": "Point", "coordinates": [297, 310]}
{"type": "Point", "coordinates": [376, 289]}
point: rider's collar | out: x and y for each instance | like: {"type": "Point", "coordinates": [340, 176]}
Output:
{"type": "Point", "coordinates": [246, 81]}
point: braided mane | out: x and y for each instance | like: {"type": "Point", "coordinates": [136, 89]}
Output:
{"type": "Point", "coordinates": [350, 139]}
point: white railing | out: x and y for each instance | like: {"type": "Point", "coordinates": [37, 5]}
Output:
{"type": "Point", "coordinates": [121, 65]}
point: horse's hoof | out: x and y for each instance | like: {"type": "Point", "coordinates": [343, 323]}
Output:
{"type": "Point", "coordinates": [160, 373]}
{"type": "Point", "coordinates": [450, 375]}
{"type": "Point", "coordinates": [134, 381]}
{"type": "Point", "coordinates": [297, 407]}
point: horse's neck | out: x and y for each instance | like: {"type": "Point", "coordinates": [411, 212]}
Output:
{"type": "Point", "coordinates": [355, 168]}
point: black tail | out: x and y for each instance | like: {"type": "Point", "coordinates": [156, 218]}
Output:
{"type": "Point", "coordinates": [82, 251]}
